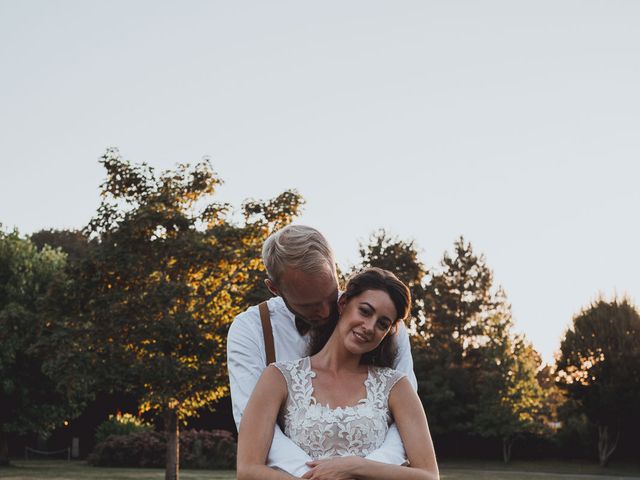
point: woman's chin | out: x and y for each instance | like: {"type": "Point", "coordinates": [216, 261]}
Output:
{"type": "Point", "coordinates": [354, 349]}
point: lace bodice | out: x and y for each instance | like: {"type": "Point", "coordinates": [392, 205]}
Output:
{"type": "Point", "coordinates": [324, 432]}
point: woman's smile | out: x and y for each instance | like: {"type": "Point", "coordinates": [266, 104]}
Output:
{"type": "Point", "coordinates": [360, 337]}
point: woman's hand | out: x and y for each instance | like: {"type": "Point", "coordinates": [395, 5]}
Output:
{"type": "Point", "coordinates": [338, 468]}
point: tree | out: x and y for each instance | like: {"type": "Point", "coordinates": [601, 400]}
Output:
{"type": "Point", "coordinates": [72, 242]}
{"type": "Point", "coordinates": [401, 258]}
{"type": "Point", "coordinates": [168, 273]}
{"type": "Point", "coordinates": [510, 399]}
{"type": "Point", "coordinates": [32, 398]}
{"type": "Point", "coordinates": [459, 298]}
{"type": "Point", "coordinates": [599, 367]}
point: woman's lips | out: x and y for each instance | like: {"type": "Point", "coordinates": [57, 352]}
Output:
{"type": "Point", "coordinates": [360, 337]}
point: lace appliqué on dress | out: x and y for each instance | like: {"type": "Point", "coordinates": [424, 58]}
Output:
{"type": "Point", "coordinates": [324, 432]}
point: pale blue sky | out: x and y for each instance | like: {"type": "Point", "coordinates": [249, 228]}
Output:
{"type": "Point", "coordinates": [514, 123]}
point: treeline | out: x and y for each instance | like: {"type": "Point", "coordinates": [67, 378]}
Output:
{"type": "Point", "coordinates": [140, 301]}
{"type": "Point", "coordinates": [478, 378]}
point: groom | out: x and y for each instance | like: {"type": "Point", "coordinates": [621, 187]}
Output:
{"type": "Point", "coordinates": [301, 271]}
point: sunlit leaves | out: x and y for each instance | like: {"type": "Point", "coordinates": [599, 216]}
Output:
{"type": "Point", "coordinates": [168, 273]}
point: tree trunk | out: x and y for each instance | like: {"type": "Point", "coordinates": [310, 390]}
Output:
{"type": "Point", "coordinates": [507, 443]}
{"type": "Point", "coordinates": [172, 469]}
{"type": "Point", "coordinates": [606, 446]}
{"type": "Point", "coordinates": [4, 449]}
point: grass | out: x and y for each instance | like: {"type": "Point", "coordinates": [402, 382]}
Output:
{"type": "Point", "coordinates": [458, 470]}
{"type": "Point", "coordinates": [62, 470]}
{"type": "Point", "coordinates": [535, 470]}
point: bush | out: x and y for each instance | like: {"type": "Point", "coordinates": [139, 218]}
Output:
{"type": "Point", "coordinates": [120, 424]}
{"type": "Point", "coordinates": [198, 449]}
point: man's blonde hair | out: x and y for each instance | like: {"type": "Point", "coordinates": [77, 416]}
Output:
{"type": "Point", "coordinates": [299, 247]}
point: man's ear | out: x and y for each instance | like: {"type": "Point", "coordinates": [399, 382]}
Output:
{"type": "Point", "coordinates": [342, 302]}
{"type": "Point", "coordinates": [272, 287]}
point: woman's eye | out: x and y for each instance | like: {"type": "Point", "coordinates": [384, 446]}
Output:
{"type": "Point", "coordinates": [384, 325]}
{"type": "Point", "coordinates": [365, 311]}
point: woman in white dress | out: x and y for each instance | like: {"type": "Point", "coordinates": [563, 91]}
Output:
{"type": "Point", "coordinates": [337, 404]}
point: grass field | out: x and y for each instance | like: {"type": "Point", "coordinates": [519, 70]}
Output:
{"type": "Point", "coordinates": [61, 470]}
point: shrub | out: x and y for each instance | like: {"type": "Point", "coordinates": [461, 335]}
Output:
{"type": "Point", "coordinates": [198, 449]}
{"type": "Point", "coordinates": [120, 424]}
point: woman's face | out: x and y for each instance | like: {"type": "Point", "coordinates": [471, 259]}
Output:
{"type": "Point", "coordinates": [366, 320]}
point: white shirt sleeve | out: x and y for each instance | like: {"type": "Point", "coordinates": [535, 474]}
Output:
{"type": "Point", "coordinates": [404, 361]}
{"type": "Point", "coordinates": [392, 451]}
{"type": "Point", "coordinates": [245, 362]}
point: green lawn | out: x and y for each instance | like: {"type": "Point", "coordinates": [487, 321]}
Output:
{"type": "Point", "coordinates": [61, 470]}
{"type": "Point", "coordinates": [541, 470]}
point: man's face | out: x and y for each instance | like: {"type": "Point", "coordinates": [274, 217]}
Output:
{"type": "Point", "coordinates": [312, 297]}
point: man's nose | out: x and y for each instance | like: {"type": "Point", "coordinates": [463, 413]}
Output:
{"type": "Point", "coordinates": [325, 310]}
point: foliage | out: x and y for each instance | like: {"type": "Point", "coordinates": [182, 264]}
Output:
{"type": "Point", "coordinates": [459, 298]}
{"type": "Point", "coordinates": [166, 275]}
{"type": "Point", "coordinates": [511, 400]}
{"type": "Point", "coordinates": [198, 449]}
{"type": "Point", "coordinates": [72, 242]}
{"type": "Point", "coordinates": [32, 398]}
{"type": "Point", "coordinates": [121, 424]}
{"type": "Point", "coordinates": [475, 375]}
{"type": "Point", "coordinates": [599, 367]}
{"type": "Point", "coordinates": [575, 435]}
{"type": "Point", "coordinates": [554, 398]}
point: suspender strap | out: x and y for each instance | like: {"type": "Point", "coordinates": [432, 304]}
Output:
{"type": "Point", "coordinates": [267, 332]}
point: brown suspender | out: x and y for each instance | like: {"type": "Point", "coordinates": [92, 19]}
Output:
{"type": "Point", "coordinates": [267, 332]}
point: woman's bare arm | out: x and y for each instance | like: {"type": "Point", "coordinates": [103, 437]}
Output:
{"type": "Point", "coordinates": [410, 417]}
{"type": "Point", "coordinates": [256, 428]}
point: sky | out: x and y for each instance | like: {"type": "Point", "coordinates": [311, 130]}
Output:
{"type": "Point", "coordinates": [513, 123]}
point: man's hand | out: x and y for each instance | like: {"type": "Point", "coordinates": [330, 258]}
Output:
{"type": "Point", "coordinates": [339, 468]}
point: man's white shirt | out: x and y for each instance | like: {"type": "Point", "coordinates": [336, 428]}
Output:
{"type": "Point", "coordinates": [246, 359]}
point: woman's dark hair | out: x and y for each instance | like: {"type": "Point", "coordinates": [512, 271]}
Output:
{"type": "Point", "coordinates": [372, 278]}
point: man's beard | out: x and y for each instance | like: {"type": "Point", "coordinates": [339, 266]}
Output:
{"type": "Point", "coordinates": [303, 325]}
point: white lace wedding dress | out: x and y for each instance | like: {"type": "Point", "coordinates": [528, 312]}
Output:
{"type": "Point", "coordinates": [324, 432]}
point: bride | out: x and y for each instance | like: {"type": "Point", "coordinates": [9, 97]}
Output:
{"type": "Point", "coordinates": [338, 403]}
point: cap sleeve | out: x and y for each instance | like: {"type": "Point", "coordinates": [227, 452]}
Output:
{"type": "Point", "coordinates": [394, 378]}
{"type": "Point", "coordinates": [285, 370]}
{"type": "Point", "coordinates": [391, 378]}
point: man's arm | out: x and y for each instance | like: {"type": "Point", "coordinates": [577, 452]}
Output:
{"type": "Point", "coordinates": [404, 361]}
{"type": "Point", "coordinates": [245, 362]}
{"type": "Point", "coordinates": [392, 451]}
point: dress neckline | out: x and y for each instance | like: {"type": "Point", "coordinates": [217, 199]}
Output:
{"type": "Point", "coordinates": [306, 364]}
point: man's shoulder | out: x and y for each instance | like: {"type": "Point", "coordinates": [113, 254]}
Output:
{"type": "Point", "coordinates": [248, 320]}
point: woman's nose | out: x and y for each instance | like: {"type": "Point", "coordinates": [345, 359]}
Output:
{"type": "Point", "coordinates": [368, 324]}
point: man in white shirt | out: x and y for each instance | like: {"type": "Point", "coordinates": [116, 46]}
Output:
{"type": "Point", "coordinates": [302, 274]}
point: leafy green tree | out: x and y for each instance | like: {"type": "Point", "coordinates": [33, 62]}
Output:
{"type": "Point", "coordinates": [510, 398]}
{"type": "Point", "coordinates": [31, 397]}
{"type": "Point", "coordinates": [401, 258]}
{"type": "Point", "coordinates": [72, 242]}
{"type": "Point", "coordinates": [599, 367]}
{"type": "Point", "coordinates": [168, 273]}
